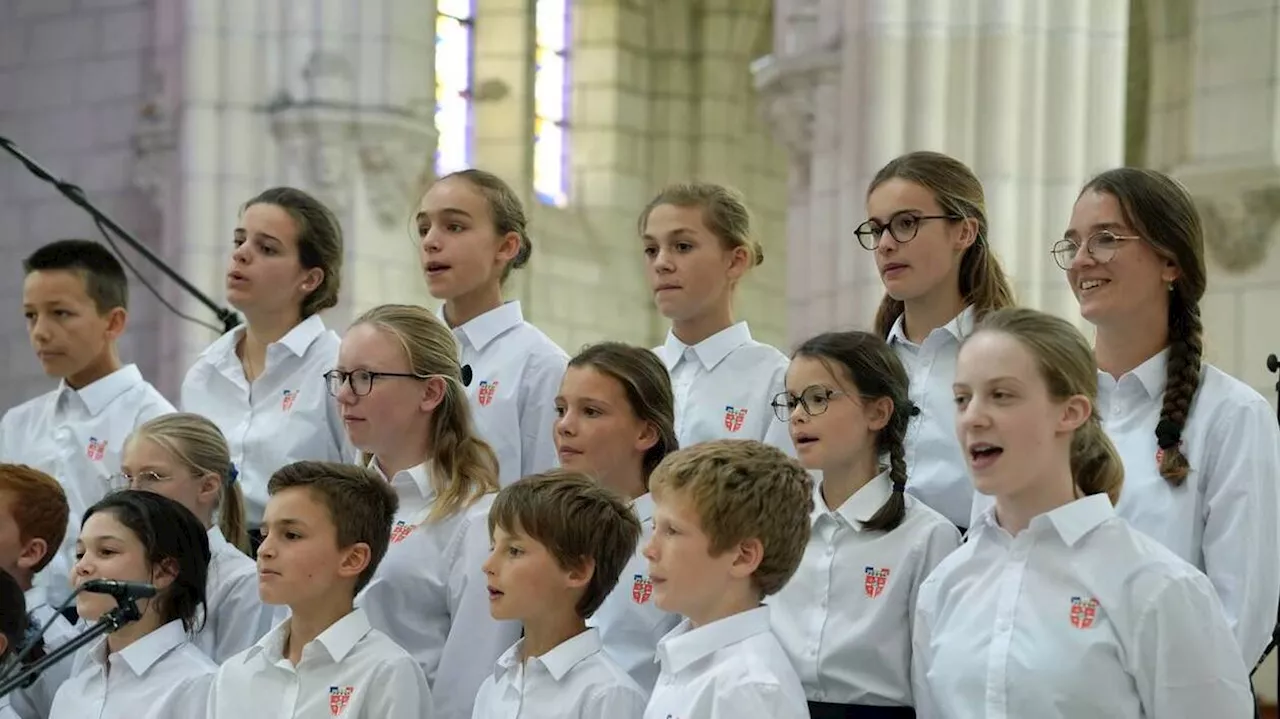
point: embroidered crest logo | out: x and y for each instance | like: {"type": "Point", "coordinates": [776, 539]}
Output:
{"type": "Point", "coordinates": [642, 589]}
{"type": "Point", "coordinates": [1083, 612]}
{"type": "Point", "coordinates": [339, 697]}
{"type": "Point", "coordinates": [875, 581]}
{"type": "Point", "coordinates": [400, 531]}
{"type": "Point", "coordinates": [486, 391]}
{"type": "Point", "coordinates": [733, 419]}
{"type": "Point", "coordinates": [97, 449]}
{"type": "Point", "coordinates": [286, 402]}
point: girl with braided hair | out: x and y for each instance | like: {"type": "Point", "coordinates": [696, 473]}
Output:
{"type": "Point", "coordinates": [871, 545]}
{"type": "Point", "coordinates": [1201, 449]}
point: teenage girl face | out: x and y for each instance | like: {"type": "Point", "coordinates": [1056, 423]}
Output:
{"type": "Point", "coordinates": [690, 270]}
{"type": "Point", "coordinates": [151, 468]}
{"type": "Point", "coordinates": [392, 414]}
{"type": "Point", "coordinates": [106, 549]}
{"type": "Point", "coordinates": [1135, 277]}
{"type": "Point", "coordinates": [846, 425]}
{"type": "Point", "coordinates": [597, 431]}
{"type": "Point", "coordinates": [266, 275]}
{"type": "Point", "coordinates": [930, 261]}
{"type": "Point", "coordinates": [1011, 430]}
{"type": "Point", "coordinates": [461, 250]}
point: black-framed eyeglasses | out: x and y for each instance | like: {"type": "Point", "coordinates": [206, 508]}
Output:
{"type": "Point", "coordinates": [815, 399]}
{"type": "Point", "coordinates": [361, 380]}
{"type": "Point", "coordinates": [902, 225]}
{"type": "Point", "coordinates": [1101, 246]}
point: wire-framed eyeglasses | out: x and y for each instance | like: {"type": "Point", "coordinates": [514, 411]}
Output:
{"type": "Point", "coordinates": [360, 380]}
{"type": "Point", "coordinates": [137, 480]}
{"type": "Point", "coordinates": [815, 399]}
{"type": "Point", "coordinates": [1101, 246]}
{"type": "Point", "coordinates": [903, 225]}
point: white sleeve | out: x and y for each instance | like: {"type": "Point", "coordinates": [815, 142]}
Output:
{"type": "Point", "coordinates": [755, 701]}
{"type": "Point", "coordinates": [538, 389]}
{"type": "Point", "coordinates": [475, 639]}
{"type": "Point", "coordinates": [241, 618]}
{"type": "Point", "coordinates": [1183, 659]}
{"type": "Point", "coordinates": [401, 692]}
{"type": "Point", "coordinates": [1241, 536]}
{"type": "Point", "coordinates": [943, 539]}
{"type": "Point", "coordinates": [921, 636]}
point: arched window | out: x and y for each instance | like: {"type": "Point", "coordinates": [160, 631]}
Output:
{"type": "Point", "coordinates": [455, 45]}
{"type": "Point", "coordinates": [551, 103]}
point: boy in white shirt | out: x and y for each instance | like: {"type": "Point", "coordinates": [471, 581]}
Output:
{"type": "Point", "coordinates": [559, 543]}
{"type": "Point", "coordinates": [731, 521]}
{"type": "Point", "coordinates": [325, 529]}
{"type": "Point", "coordinates": [33, 520]}
{"type": "Point", "coordinates": [75, 298]}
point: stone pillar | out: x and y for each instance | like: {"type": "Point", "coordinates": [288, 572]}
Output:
{"type": "Point", "coordinates": [1029, 94]}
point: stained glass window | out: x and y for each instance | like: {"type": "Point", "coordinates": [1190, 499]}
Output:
{"type": "Point", "coordinates": [551, 103]}
{"type": "Point", "coordinates": [454, 46]}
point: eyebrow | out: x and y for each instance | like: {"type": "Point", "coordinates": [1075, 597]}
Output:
{"type": "Point", "coordinates": [897, 212]}
{"type": "Point", "coordinates": [243, 231]}
{"type": "Point", "coordinates": [1094, 229]}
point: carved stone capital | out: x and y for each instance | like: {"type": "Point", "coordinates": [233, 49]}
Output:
{"type": "Point", "coordinates": [788, 88]}
{"type": "Point", "coordinates": [155, 149]}
{"type": "Point", "coordinates": [396, 152]}
{"type": "Point", "coordinates": [319, 141]}
{"type": "Point", "coordinates": [1240, 209]}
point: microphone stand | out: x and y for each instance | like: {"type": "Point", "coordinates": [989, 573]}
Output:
{"type": "Point", "coordinates": [76, 195]}
{"type": "Point", "coordinates": [126, 611]}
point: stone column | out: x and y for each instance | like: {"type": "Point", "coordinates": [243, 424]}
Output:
{"type": "Point", "coordinates": [1029, 94]}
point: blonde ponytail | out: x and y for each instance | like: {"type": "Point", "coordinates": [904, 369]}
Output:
{"type": "Point", "coordinates": [1095, 463]}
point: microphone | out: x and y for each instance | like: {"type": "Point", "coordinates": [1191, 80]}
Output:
{"type": "Point", "coordinates": [119, 589]}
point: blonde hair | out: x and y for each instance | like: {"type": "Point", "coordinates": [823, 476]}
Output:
{"type": "Point", "coordinates": [958, 192]}
{"type": "Point", "coordinates": [464, 467]}
{"type": "Point", "coordinates": [1067, 366]}
{"type": "Point", "coordinates": [200, 446]}
{"type": "Point", "coordinates": [724, 212]}
{"type": "Point", "coordinates": [743, 489]}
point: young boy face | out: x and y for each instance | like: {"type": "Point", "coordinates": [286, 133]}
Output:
{"type": "Point", "coordinates": [525, 581]}
{"type": "Point", "coordinates": [11, 549]}
{"type": "Point", "coordinates": [687, 579]}
{"type": "Point", "coordinates": [66, 330]}
{"type": "Point", "coordinates": [300, 561]}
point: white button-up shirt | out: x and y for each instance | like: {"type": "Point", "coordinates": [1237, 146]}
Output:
{"type": "Point", "coordinates": [575, 680]}
{"type": "Point", "coordinates": [160, 676]}
{"type": "Point", "coordinates": [35, 701]}
{"type": "Point", "coordinates": [1224, 517]}
{"type": "Point", "coordinates": [236, 616]}
{"type": "Point", "coordinates": [76, 436]}
{"type": "Point", "coordinates": [629, 621]}
{"type": "Point", "coordinates": [1080, 615]}
{"type": "Point", "coordinates": [724, 387]}
{"type": "Point", "coordinates": [283, 416]}
{"type": "Point", "coordinates": [6, 711]}
{"type": "Point", "coordinates": [732, 668]}
{"type": "Point", "coordinates": [936, 466]}
{"type": "Point", "coordinates": [429, 594]}
{"type": "Point", "coordinates": [515, 375]}
{"type": "Point", "coordinates": [351, 670]}
{"type": "Point", "coordinates": [845, 616]}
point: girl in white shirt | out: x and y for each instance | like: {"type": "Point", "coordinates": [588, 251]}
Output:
{"type": "Point", "coordinates": [184, 457]}
{"type": "Point", "coordinates": [1201, 449]}
{"type": "Point", "coordinates": [399, 388]}
{"type": "Point", "coordinates": [844, 618]}
{"type": "Point", "coordinates": [473, 233]}
{"type": "Point", "coordinates": [262, 382]}
{"type": "Point", "coordinates": [615, 423]}
{"type": "Point", "coordinates": [927, 224]}
{"type": "Point", "coordinates": [697, 247]}
{"type": "Point", "coordinates": [147, 669]}
{"type": "Point", "coordinates": [1055, 607]}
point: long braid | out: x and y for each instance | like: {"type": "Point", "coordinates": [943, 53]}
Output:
{"type": "Point", "coordinates": [1182, 380]}
{"type": "Point", "coordinates": [893, 439]}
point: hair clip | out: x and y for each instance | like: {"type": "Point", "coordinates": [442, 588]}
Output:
{"type": "Point", "coordinates": [466, 375]}
{"type": "Point", "coordinates": [232, 473]}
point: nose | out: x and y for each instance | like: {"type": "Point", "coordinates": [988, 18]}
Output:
{"type": "Point", "coordinates": [650, 551]}
{"type": "Point", "coordinates": [1082, 258]}
{"type": "Point", "coordinates": [663, 262]}
{"type": "Point", "coordinates": [487, 567]}
{"type": "Point", "coordinates": [267, 549]}
{"type": "Point", "coordinates": [972, 416]}
{"type": "Point", "coordinates": [40, 328]}
{"type": "Point", "coordinates": [430, 241]}
{"type": "Point", "coordinates": [798, 415]}
{"type": "Point", "coordinates": [566, 424]}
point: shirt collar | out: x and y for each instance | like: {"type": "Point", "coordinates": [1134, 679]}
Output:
{"type": "Point", "coordinates": [644, 507]}
{"type": "Point", "coordinates": [338, 640]}
{"type": "Point", "coordinates": [687, 644]}
{"type": "Point", "coordinates": [145, 652]}
{"type": "Point", "coordinates": [959, 327]}
{"type": "Point", "coordinates": [864, 503]}
{"type": "Point", "coordinates": [560, 660]}
{"type": "Point", "coordinates": [1150, 373]}
{"type": "Point", "coordinates": [217, 540]}
{"type": "Point", "coordinates": [418, 477]}
{"type": "Point", "coordinates": [709, 351]}
{"type": "Point", "coordinates": [100, 393]}
{"type": "Point", "coordinates": [1071, 522]}
{"type": "Point", "coordinates": [34, 598]}
{"type": "Point", "coordinates": [482, 330]}
{"type": "Point", "coordinates": [299, 339]}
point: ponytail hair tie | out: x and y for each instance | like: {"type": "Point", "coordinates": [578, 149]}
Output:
{"type": "Point", "coordinates": [913, 409]}
{"type": "Point", "coordinates": [1168, 434]}
{"type": "Point", "coordinates": [899, 487]}
{"type": "Point", "coordinates": [466, 375]}
{"type": "Point", "coordinates": [232, 474]}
